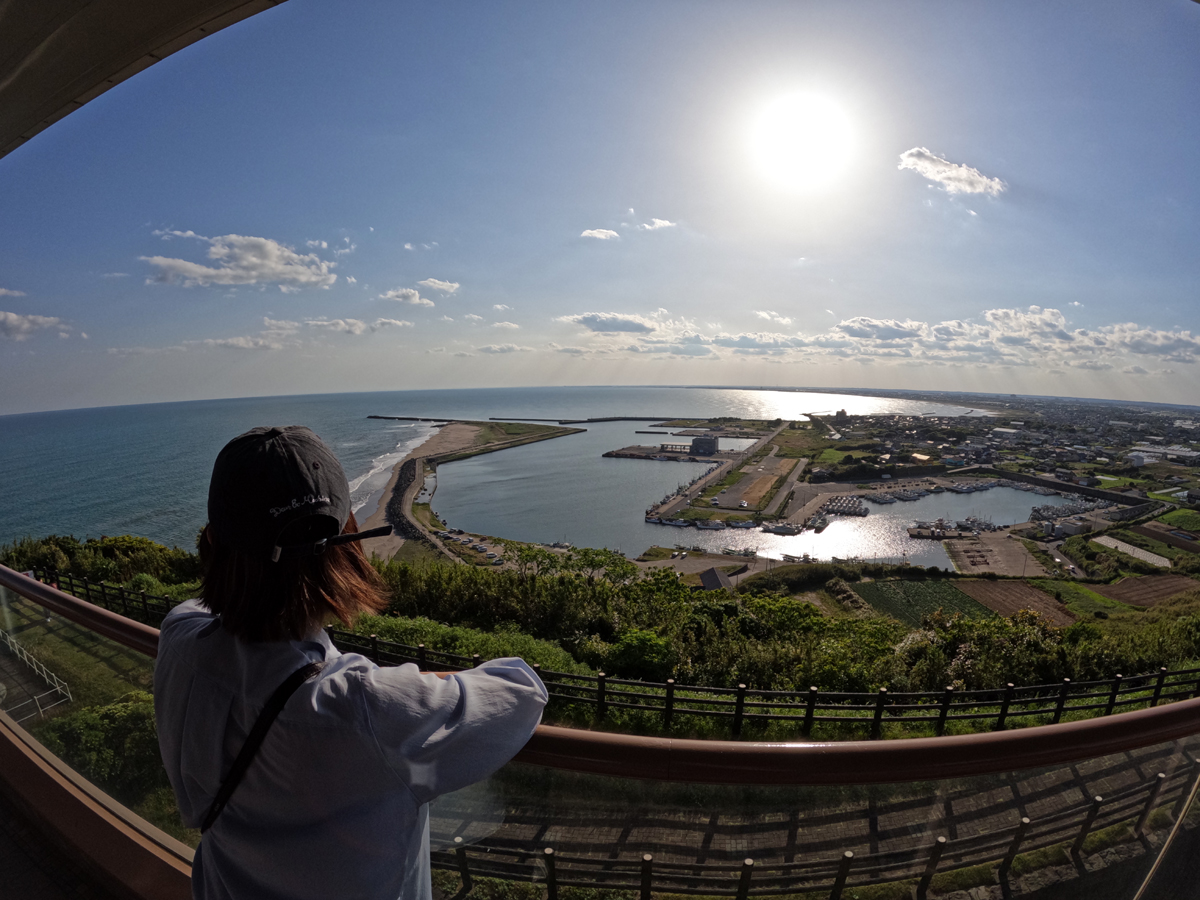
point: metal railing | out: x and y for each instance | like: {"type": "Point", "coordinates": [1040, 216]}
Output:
{"type": "Point", "coordinates": [668, 704]}
{"type": "Point", "coordinates": [1136, 789]}
{"type": "Point", "coordinates": [58, 687]}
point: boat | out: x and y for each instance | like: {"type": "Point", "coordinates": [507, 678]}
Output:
{"type": "Point", "coordinates": [653, 520]}
{"type": "Point", "coordinates": [784, 528]}
{"type": "Point", "coordinates": [819, 523]}
{"type": "Point", "coordinates": [678, 523]}
{"type": "Point", "coordinates": [748, 523]}
{"type": "Point", "coordinates": [937, 489]}
{"type": "Point", "coordinates": [711, 525]}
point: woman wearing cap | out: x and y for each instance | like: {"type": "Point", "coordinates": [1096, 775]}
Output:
{"type": "Point", "coordinates": [310, 770]}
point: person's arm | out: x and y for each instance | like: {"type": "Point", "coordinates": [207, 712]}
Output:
{"type": "Point", "coordinates": [439, 732]}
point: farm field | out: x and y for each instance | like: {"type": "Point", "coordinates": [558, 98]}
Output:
{"type": "Point", "coordinates": [1008, 597]}
{"type": "Point", "coordinates": [1187, 519]}
{"type": "Point", "coordinates": [911, 601]}
{"type": "Point", "coordinates": [1146, 590]}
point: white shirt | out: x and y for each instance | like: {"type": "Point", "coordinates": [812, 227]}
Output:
{"type": "Point", "coordinates": [335, 802]}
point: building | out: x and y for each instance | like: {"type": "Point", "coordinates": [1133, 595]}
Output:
{"type": "Point", "coordinates": [705, 445]}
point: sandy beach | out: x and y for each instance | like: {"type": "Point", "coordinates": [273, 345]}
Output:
{"type": "Point", "coordinates": [447, 439]}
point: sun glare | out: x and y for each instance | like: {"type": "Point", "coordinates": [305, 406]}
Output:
{"type": "Point", "coordinates": [801, 141]}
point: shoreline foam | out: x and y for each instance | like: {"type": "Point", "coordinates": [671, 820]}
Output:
{"type": "Point", "coordinates": [449, 438]}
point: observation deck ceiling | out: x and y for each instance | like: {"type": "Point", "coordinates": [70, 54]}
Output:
{"type": "Point", "coordinates": [56, 55]}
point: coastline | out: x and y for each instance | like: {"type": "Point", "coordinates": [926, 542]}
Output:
{"type": "Point", "coordinates": [449, 438]}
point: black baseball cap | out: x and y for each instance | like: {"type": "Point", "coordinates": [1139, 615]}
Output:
{"type": "Point", "coordinates": [280, 491]}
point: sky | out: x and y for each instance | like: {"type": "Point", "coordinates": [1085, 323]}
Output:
{"type": "Point", "coordinates": [366, 195]}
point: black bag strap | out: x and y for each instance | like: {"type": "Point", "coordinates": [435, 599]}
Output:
{"type": "Point", "coordinates": [254, 740]}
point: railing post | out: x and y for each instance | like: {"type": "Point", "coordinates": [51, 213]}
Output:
{"type": "Point", "coordinates": [551, 875]}
{"type": "Point", "coordinates": [421, 658]}
{"type": "Point", "coordinates": [1009, 690]}
{"type": "Point", "coordinates": [743, 890]}
{"type": "Point", "coordinates": [124, 601]}
{"type": "Point", "coordinates": [669, 707]}
{"type": "Point", "coordinates": [877, 723]}
{"type": "Point", "coordinates": [647, 875]}
{"type": "Point", "coordinates": [739, 706]}
{"type": "Point", "coordinates": [1094, 811]}
{"type": "Point", "coordinates": [1112, 695]}
{"type": "Point", "coordinates": [1158, 686]}
{"type": "Point", "coordinates": [475, 660]}
{"type": "Point", "coordinates": [601, 700]}
{"type": "Point", "coordinates": [145, 609]}
{"type": "Point", "coordinates": [375, 649]}
{"type": "Point", "coordinates": [935, 856]}
{"type": "Point", "coordinates": [1155, 790]}
{"type": "Point", "coordinates": [1014, 848]}
{"type": "Point", "coordinates": [810, 710]}
{"type": "Point", "coordinates": [1185, 794]}
{"type": "Point", "coordinates": [464, 873]}
{"type": "Point", "coordinates": [839, 883]}
{"type": "Point", "coordinates": [1062, 701]}
{"type": "Point", "coordinates": [947, 699]}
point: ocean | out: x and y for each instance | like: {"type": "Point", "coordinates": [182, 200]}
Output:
{"type": "Point", "coordinates": [144, 470]}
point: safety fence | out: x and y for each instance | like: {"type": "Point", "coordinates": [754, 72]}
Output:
{"type": "Point", "coordinates": [58, 687]}
{"type": "Point", "coordinates": [670, 703]}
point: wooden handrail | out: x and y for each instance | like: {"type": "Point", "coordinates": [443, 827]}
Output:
{"type": "Point", "coordinates": [744, 762]}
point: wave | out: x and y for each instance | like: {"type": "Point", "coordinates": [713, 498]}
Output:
{"type": "Point", "coordinates": [366, 489]}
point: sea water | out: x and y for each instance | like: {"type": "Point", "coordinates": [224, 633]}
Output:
{"type": "Point", "coordinates": [144, 470]}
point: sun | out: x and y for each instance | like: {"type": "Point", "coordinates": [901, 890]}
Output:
{"type": "Point", "coordinates": [801, 141]}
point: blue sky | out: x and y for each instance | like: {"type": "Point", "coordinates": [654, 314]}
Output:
{"type": "Point", "coordinates": [375, 195]}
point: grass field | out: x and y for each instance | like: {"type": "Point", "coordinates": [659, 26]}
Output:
{"type": "Point", "coordinates": [911, 601]}
{"type": "Point", "coordinates": [1082, 602]}
{"type": "Point", "coordinates": [1187, 519]}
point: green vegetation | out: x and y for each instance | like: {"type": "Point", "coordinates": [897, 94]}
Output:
{"type": "Point", "coordinates": [1081, 601]}
{"type": "Point", "coordinates": [112, 559]}
{"type": "Point", "coordinates": [423, 514]}
{"type": "Point", "coordinates": [115, 746]}
{"type": "Point", "coordinates": [1187, 519]}
{"type": "Point", "coordinates": [912, 601]}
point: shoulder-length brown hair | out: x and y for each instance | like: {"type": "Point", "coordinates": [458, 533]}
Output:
{"type": "Point", "coordinates": [260, 600]}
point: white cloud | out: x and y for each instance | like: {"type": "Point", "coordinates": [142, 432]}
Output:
{"type": "Point", "coordinates": [390, 323]}
{"type": "Point", "coordinates": [115, 275]}
{"type": "Point", "coordinates": [436, 284]}
{"type": "Point", "coordinates": [956, 178]}
{"type": "Point", "coordinates": [1138, 370]}
{"type": "Point", "coordinates": [342, 251]}
{"type": "Point", "coordinates": [350, 279]}
{"type": "Point", "coordinates": [505, 325]}
{"type": "Point", "coordinates": [656, 224]}
{"type": "Point", "coordinates": [445, 319]}
{"type": "Point", "coordinates": [247, 342]}
{"type": "Point", "coordinates": [406, 295]}
{"type": "Point", "coordinates": [317, 245]}
{"type": "Point", "coordinates": [503, 348]}
{"type": "Point", "coordinates": [409, 247]}
{"type": "Point", "coordinates": [16, 327]}
{"type": "Point", "coordinates": [603, 234]}
{"type": "Point", "coordinates": [243, 260]}
{"type": "Point", "coordinates": [472, 317]}
{"type": "Point", "coordinates": [771, 316]}
{"type": "Point", "coordinates": [5, 292]}
{"type": "Point", "coordinates": [501, 307]}
{"type": "Point", "coordinates": [607, 323]}
{"type": "Point", "coordinates": [347, 326]}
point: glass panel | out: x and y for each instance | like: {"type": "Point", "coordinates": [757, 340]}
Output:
{"type": "Point", "coordinates": [698, 836]}
{"type": "Point", "coordinates": [88, 700]}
